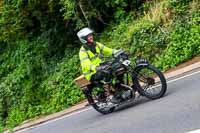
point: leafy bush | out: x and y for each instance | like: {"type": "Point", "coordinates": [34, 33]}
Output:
{"type": "Point", "coordinates": [184, 42]}
{"type": "Point", "coordinates": [157, 40]}
{"type": "Point", "coordinates": [142, 37]}
{"type": "Point", "coordinates": [39, 50]}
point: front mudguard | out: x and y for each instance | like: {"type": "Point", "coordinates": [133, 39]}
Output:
{"type": "Point", "coordinates": [140, 63]}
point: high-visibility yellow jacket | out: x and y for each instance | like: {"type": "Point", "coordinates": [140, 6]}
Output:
{"type": "Point", "coordinates": [89, 60]}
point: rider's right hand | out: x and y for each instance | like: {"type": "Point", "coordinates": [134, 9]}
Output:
{"type": "Point", "coordinates": [118, 53]}
{"type": "Point", "coordinates": [122, 54]}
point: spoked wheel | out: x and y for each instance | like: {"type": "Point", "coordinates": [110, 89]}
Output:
{"type": "Point", "coordinates": [100, 101]}
{"type": "Point", "coordinates": [150, 82]}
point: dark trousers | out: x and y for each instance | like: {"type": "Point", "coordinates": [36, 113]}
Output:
{"type": "Point", "coordinates": [101, 75]}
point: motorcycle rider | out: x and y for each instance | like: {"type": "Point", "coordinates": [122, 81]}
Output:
{"type": "Point", "coordinates": [90, 56]}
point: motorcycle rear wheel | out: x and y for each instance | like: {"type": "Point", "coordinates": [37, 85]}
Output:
{"type": "Point", "coordinates": [102, 106]}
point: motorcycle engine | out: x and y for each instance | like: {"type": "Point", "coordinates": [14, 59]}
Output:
{"type": "Point", "coordinates": [127, 92]}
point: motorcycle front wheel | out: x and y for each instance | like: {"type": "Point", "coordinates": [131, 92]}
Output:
{"type": "Point", "coordinates": [150, 82]}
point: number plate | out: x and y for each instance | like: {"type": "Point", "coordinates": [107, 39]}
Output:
{"type": "Point", "coordinates": [126, 62]}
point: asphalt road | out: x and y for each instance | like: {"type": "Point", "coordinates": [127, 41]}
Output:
{"type": "Point", "coordinates": [177, 112]}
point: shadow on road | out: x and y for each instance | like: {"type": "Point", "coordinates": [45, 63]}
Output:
{"type": "Point", "coordinates": [141, 101]}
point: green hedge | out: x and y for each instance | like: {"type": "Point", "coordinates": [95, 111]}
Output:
{"type": "Point", "coordinates": [184, 42]}
{"type": "Point", "coordinates": [38, 66]}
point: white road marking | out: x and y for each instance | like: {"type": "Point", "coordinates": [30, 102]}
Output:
{"type": "Point", "coordinates": [170, 81]}
{"type": "Point", "coordinates": [51, 121]}
{"type": "Point", "coordinates": [84, 110]}
{"type": "Point", "coordinates": [194, 131]}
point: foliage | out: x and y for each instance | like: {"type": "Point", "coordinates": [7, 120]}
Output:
{"type": "Point", "coordinates": [38, 52]}
{"type": "Point", "coordinates": [143, 37]}
{"type": "Point", "coordinates": [36, 85]}
{"type": "Point", "coordinates": [184, 42]}
{"type": "Point", "coordinates": [159, 37]}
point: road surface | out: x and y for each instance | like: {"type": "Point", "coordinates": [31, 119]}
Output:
{"type": "Point", "coordinates": [177, 112]}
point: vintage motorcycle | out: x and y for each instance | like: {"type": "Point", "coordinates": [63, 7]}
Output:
{"type": "Point", "coordinates": [126, 80]}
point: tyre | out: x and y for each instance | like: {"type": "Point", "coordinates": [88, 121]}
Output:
{"type": "Point", "coordinates": [99, 101]}
{"type": "Point", "coordinates": [150, 82]}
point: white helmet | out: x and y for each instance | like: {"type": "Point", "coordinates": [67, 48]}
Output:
{"type": "Point", "coordinates": [83, 33]}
